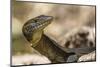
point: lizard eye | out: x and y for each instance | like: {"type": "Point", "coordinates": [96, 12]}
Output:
{"type": "Point", "coordinates": [35, 20]}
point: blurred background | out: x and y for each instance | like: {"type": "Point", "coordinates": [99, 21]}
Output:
{"type": "Point", "coordinates": [66, 17]}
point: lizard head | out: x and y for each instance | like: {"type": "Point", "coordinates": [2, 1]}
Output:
{"type": "Point", "coordinates": [33, 28]}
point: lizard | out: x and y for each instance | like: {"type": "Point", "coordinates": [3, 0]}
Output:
{"type": "Point", "coordinates": [33, 31]}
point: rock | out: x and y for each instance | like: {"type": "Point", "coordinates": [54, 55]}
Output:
{"type": "Point", "coordinates": [88, 57]}
{"type": "Point", "coordinates": [72, 58]}
{"type": "Point", "coordinates": [28, 59]}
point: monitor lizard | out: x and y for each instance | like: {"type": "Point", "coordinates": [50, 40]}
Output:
{"type": "Point", "coordinates": [33, 31]}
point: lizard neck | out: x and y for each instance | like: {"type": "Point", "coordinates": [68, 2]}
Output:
{"type": "Point", "coordinates": [47, 48]}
